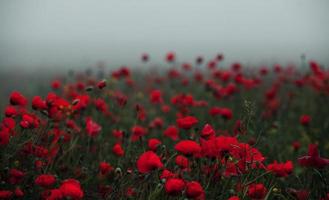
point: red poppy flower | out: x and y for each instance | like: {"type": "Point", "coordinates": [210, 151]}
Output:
{"type": "Point", "coordinates": [156, 96]}
{"type": "Point", "coordinates": [4, 137]}
{"type": "Point", "coordinates": [18, 192]}
{"type": "Point", "coordinates": [38, 103]}
{"type": "Point", "coordinates": [207, 131]}
{"type": "Point", "coordinates": [313, 159]}
{"type": "Point", "coordinates": [16, 176]}
{"type": "Point", "coordinates": [166, 174]}
{"type": "Point", "coordinates": [118, 150]}
{"type": "Point", "coordinates": [145, 57]}
{"type": "Point", "coordinates": [174, 186]}
{"type": "Point", "coordinates": [5, 194]}
{"type": "Point", "coordinates": [71, 188]}
{"type": "Point", "coordinates": [170, 57]}
{"type": "Point", "coordinates": [92, 128]}
{"type": "Point", "coordinates": [186, 122]}
{"type": "Point", "coordinates": [101, 84]}
{"type": "Point", "coordinates": [182, 161]}
{"type": "Point", "coordinates": [29, 121]}
{"type": "Point", "coordinates": [153, 143]}
{"type": "Point", "coordinates": [305, 120]}
{"type": "Point", "coordinates": [45, 180]}
{"type": "Point", "coordinates": [257, 191]}
{"type": "Point", "coordinates": [16, 98]}
{"type": "Point", "coordinates": [281, 169]}
{"type": "Point", "coordinates": [105, 167]}
{"type": "Point", "coordinates": [188, 147]}
{"type": "Point", "coordinates": [194, 189]}
{"type": "Point", "coordinates": [171, 132]}
{"type": "Point", "coordinates": [148, 161]}
{"type": "Point", "coordinates": [56, 84]}
{"type": "Point", "coordinates": [137, 132]}
{"type": "Point", "coordinates": [11, 111]}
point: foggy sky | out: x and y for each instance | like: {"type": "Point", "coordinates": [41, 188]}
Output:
{"type": "Point", "coordinates": [68, 33]}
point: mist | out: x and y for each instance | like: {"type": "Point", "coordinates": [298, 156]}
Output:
{"type": "Point", "coordinates": [71, 33]}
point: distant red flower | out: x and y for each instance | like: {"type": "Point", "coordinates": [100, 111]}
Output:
{"type": "Point", "coordinates": [145, 57]}
{"type": "Point", "coordinates": [71, 188]}
{"type": "Point", "coordinates": [295, 145]}
{"type": "Point", "coordinates": [313, 159]}
{"type": "Point", "coordinates": [8, 123]}
{"type": "Point", "coordinates": [174, 186]}
{"type": "Point", "coordinates": [5, 194]}
{"type": "Point", "coordinates": [16, 98]}
{"type": "Point", "coordinates": [29, 121]}
{"type": "Point", "coordinates": [305, 120]}
{"type": "Point", "coordinates": [45, 180]}
{"type": "Point", "coordinates": [153, 143]}
{"type": "Point", "coordinates": [257, 191]}
{"type": "Point", "coordinates": [207, 131]}
{"type": "Point", "coordinates": [118, 150]}
{"type": "Point", "coordinates": [18, 192]}
{"type": "Point", "coordinates": [182, 161]}
{"type": "Point", "coordinates": [4, 137]}
{"type": "Point", "coordinates": [188, 147]}
{"type": "Point", "coordinates": [281, 169]}
{"type": "Point", "coordinates": [186, 122]}
{"type": "Point", "coordinates": [16, 176]}
{"type": "Point", "coordinates": [105, 167]}
{"type": "Point", "coordinates": [56, 84]}
{"type": "Point", "coordinates": [172, 132]}
{"type": "Point", "coordinates": [166, 174]}
{"type": "Point", "coordinates": [117, 133]}
{"type": "Point", "coordinates": [156, 96]}
{"type": "Point", "coordinates": [170, 57]}
{"type": "Point", "coordinates": [234, 198]}
{"type": "Point", "coordinates": [101, 84]}
{"type": "Point", "coordinates": [226, 113]}
{"type": "Point", "coordinates": [194, 189]}
{"type": "Point", "coordinates": [54, 194]}
{"type": "Point", "coordinates": [11, 111]}
{"type": "Point", "coordinates": [137, 132]}
{"type": "Point", "coordinates": [92, 128]}
{"type": "Point", "coordinates": [38, 103]}
{"type": "Point", "coordinates": [148, 161]}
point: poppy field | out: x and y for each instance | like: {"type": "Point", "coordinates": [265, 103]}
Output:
{"type": "Point", "coordinates": [198, 130]}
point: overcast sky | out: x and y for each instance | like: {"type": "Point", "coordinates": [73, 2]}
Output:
{"type": "Point", "coordinates": [80, 32]}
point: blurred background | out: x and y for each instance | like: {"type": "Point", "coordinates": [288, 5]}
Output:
{"type": "Point", "coordinates": [40, 37]}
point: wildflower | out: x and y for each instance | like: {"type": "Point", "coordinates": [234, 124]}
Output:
{"type": "Point", "coordinates": [281, 169]}
{"type": "Point", "coordinates": [174, 186]}
{"type": "Point", "coordinates": [207, 131]}
{"type": "Point", "coordinates": [257, 191]}
{"type": "Point", "coordinates": [194, 189]}
{"type": "Point", "coordinates": [313, 159]}
{"type": "Point", "coordinates": [71, 188]}
{"type": "Point", "coordinates": [182, 161]}
{"type": "Point", "coordinates": [171, 132]}
{"type": "Point", "coordinates": [148, 161]}
{"type": "Point", "coordinates": [105, 168]}
{"type": "Point", "coordinates": [305, 120]}
{"type": "Point", "coordinates": [186, 122]}
{"type": "Point", "coordinates": [170, 57]}
{"type": "Point", "coordinates": [188, 147]}
{"type": "Point", "coordinates": [16, 98]}
{"type": "Point", "coordinates": [153, 143]}
{"type": "Point", "coordinates": [118, 150]}
{"type": "Point", "coordinates": [45, 180]}
{"type": "Point", "coordinates": [92, 128]}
